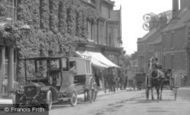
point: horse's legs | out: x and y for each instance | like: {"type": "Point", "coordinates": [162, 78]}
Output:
{"type": "Point", "coordinates": [158, 93]}
{"type": "Point", "coordinates": [161, 89]}
{"type": "Point", "coordinates": [152, 93]}
{"type": "Point", "coordinates": [147, 93]}
{"type": "Point", "coordinates": [161, 93]}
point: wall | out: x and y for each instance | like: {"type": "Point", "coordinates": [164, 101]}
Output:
{"type": "Point", "coordinates": [174, 53]}
{"type": "Point", "coordinates": [185, 4]}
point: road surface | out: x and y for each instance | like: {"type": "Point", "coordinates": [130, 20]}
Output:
{"type": "Point", "coordinates": [132, 103]}
{"type": "Point", "coordinates": [128, 103]}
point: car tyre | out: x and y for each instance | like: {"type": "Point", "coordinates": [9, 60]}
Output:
{"type": "Point", "coordinates": [74, 100]}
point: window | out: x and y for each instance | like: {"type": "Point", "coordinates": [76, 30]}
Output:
{"type": "Point", "coordinates": [89, 30]}
{"type": "Point", "coordinates": [172, 61]}
{"type": "Point", "coordinates": [172, 40]}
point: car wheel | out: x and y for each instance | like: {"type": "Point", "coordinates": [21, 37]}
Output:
{"type": "Point", "coordinates": [90, 95]}
{"type": "Point", "coordinates": [49, 100]}
{"type": "Point", "coordinates": [74, 100]}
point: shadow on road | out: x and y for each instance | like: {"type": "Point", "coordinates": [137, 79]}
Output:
{"type": "Point", "coordinates": [67, 104]}
{"type": "Point", "coordinates": [141, 101]}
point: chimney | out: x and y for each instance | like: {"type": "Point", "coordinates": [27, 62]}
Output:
{"type": "Point", "coordinates": [175, 8]}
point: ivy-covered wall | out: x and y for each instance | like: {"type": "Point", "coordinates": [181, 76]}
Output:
{"type": "Point", "coordinates": [55, 25]}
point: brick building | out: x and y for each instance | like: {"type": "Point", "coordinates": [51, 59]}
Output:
{"type": "Point", "coordinates": [171, 43]}
{"type": "Point", "coordinates": [151, 44]}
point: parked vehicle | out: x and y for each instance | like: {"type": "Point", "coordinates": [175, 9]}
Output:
{"type": "Point", "coordinates": [140, 80]}
{"type": "Point", "coordinates": [84, 79]}
{"type": "Point", "coordinates": [48, 80]}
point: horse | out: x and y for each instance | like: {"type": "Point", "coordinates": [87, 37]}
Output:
{"type": "Point", "coordinates": [155, 77]}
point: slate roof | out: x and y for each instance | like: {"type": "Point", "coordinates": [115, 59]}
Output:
{"type": "Point", "coordinates": [183, 17]}
{"type": "Point", "coordinates": [148, 35]}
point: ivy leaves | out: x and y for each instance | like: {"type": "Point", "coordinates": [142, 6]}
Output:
{"type": "Point", "coordinates": [3, 10]}
{"type": "Point", "coordinates": [56, 25]}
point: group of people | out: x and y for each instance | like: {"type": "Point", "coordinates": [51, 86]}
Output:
{"type": "Point", "coordinates": [115, 79]}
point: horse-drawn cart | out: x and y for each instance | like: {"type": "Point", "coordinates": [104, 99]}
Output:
{"type": "Point", "coordinates": [167, 80]}
{"type": "Point", "coordinates": [158, 78]}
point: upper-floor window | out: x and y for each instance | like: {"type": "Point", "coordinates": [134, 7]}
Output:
{"type": "Point", "coordinates": [105, 11]}
{"type": "Point", "coordinates": [90, 30]}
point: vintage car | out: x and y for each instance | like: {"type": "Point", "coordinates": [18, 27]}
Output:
{"type": "Point", "coordinates": [48, 80]}
{"type": "Point", "coordinates": [84, 78]}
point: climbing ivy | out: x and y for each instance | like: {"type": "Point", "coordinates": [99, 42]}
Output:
{"type": "Point", "coordinates": [53, 16]}
{"type": "Point", "coordinates": [62, 16]}
{"type": "Point", "coordinates": [3, 9]}
{"type": "Point", "coordinates": [44, 14]}
{"type": "Point", "coordinates": [55, 25]}
{"type": "Point", "coordinates": [35, 13]}
{"type": "Point", "coordinates": [71, 20]}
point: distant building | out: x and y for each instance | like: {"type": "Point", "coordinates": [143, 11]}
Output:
{"type": "Point", "coordinates": [151, 44]}
{"type": "Point", "coordinates": [169, 43]}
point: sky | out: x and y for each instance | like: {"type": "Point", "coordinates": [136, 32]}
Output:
{"type": "Point", "coordinates": [132, 19]}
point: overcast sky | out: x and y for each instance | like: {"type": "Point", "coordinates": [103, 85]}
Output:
{"type": "Point", "coordinates": [132, 21]}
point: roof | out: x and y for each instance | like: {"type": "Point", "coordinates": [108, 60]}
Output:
{"type": "Point", "coordinates": [148, 35]}
{"type": "Point", "coordinates": [183, 17]}
{"type": "Point", "coordinates": [156, 40]}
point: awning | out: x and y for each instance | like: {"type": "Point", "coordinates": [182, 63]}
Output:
{"type": "Point", "coordinates": [98, 63]}
{"type": "Point", "coordinates": [98, 59]}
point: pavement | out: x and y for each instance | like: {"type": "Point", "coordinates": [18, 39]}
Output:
{"type": "Point", "coordinates": [5, 100]}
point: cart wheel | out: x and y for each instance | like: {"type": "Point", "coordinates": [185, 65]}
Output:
{"type": "Point", "coordinates": [94, 95]}
{"type": "Point", "coordinates": [49, 100]}
{"type": "Point", "coordinates": [73, 100]}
